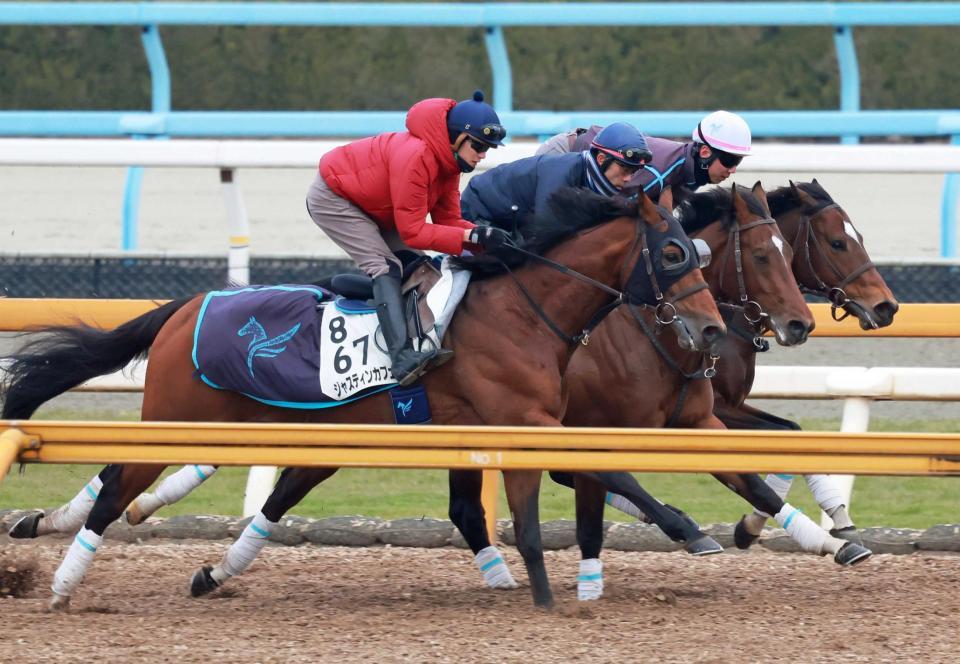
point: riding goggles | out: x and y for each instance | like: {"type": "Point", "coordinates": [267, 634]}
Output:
{"type": "Point", "coordinates": [489, 133]}
{"type": "Point", "coordinates": [479, 146]}
{"type": "Point", "coordinates": [632, 157]}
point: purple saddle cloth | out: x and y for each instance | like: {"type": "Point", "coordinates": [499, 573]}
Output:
{"type": "Point", "coordinates": [264, 342]}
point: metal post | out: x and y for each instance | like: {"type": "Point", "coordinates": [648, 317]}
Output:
{"type": "Point", "coordinates": [948, 210]}
{"type": "Point", "coordinates": [500, 66]}
{"type": "Point", "coordinates": [488, 497]}
{"type": "Point", "coordinates": [238, 260]}
{"type": "Point", "coordinates": [856, 419]}
{"type": "Point", "coordinates": [849, 75]}
{"type": "Point", "coordinates": [160, 103]}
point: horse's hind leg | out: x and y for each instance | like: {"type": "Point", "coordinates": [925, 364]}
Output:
{"type": "Point", "coordinates": [467, 513]}
{"type": "Point", "coordinates": [65, 519]}
{"type": "Point", "coordinates": [293, 485]}
{"type": "Point", "coordinates": [589, 502]}
{"type": "Point", "coordinates": [798, 525]}
{"type": "Point", "coordinates": [120, 484]}
{"type": "Point", "coordinates": [171, 490]}
{"type": "Point", "coordinates": [523, 495]}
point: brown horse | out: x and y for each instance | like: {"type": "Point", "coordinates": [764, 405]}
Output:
{"type": "Point", "coordinates": [753, 272]}
{"type": "Point", "coordinates": [829, 260]}
{"type": "Point", "coordinates": [509, 359]}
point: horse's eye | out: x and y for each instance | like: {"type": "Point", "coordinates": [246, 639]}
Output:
{"type": "Point", "coordinates": [761, 259]}
{"type": "Point", "coordinates": [838, 245]}
{"type": "Point", "coordinates": [673, 258]}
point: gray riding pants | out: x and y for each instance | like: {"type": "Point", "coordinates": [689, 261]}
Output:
{"type": "Point", "coordinates": [371, 247]}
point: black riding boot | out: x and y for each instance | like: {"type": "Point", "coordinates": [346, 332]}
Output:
{"type": "Point", "coordinates": [408, 364]}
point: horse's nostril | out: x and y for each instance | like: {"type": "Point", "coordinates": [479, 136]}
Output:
{"type": "Point", "coordinates": [797, 329]}
{"type": "Point", "coordinates": [712, 333]}
{"type": "Point", "coordinates": [885, 310]}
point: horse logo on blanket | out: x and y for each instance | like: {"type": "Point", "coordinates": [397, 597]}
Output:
{"type": "Point", "coordinates": [260, 346]}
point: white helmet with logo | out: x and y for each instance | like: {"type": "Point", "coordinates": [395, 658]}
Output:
{"type": "Point", "coordinates": [725, 131]}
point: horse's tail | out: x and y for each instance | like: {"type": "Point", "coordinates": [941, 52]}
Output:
{"type": "Point", "coordinates": [67, 355]}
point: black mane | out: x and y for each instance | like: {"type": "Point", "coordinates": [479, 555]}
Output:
{"type": "Point", "coordinates": [570, 210]}
{"type": "Point", "coordinates": [783, 199]}
{"type": "Point", "coordinates": [706, 207]}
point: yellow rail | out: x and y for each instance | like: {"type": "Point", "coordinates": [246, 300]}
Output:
{"type": "Point", "coordinates": [913, 320]}
{"type": "Point", "coordinates": [489, 448]}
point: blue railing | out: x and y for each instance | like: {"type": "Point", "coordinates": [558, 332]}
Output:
{"type": "Point", "coordinates": [849, 123]}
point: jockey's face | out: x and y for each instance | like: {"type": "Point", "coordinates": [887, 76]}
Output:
{"type": "Point", "coordinates": [469, 154]}
{"type": "Point", "coordinates": [617, 174]}
{"type": "Point", "coordinates": [717, 172]}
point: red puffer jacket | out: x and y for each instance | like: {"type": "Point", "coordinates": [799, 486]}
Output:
{"type": "Point", "coordinates": [399, 177]}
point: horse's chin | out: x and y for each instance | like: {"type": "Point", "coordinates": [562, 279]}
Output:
{"type": "Point", "coordinates": [866, 319]}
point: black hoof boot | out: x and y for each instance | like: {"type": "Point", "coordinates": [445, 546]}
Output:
{"type": "Point", "coordinates": [850, 534]}
{"type": "Point", "coordinates": [683, 515]}
{"type": "Point", "coordinates": [26, 527]}
{"type": "Point", "coordinates": [203, 582]}
{"type": "Point", "coordinates": [742, 537]}
{"type": "Point", "coordinates": [703, 546]}
{"type": "Point", "coordinates": [852, 553]}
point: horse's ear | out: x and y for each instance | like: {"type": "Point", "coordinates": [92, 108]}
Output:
{"type": "Point", "coordinates": [648, 210]}
{"type": "Point", "coordinates": [739, 205]}
{"type": "Point", "coordinates": [761, 195]}
{"type": "Point", "coordinates": [805, 198]}
{"type": "Point", "coordinates": [666, 198]}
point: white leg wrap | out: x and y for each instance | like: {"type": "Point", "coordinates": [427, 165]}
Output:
{"type": "Point", "coordinates": [74, 566]}
{"type": "Point", "coordinates": [619, 502]}
{"type": "Point", "coordinates": [494, 568]}
{"type": "Point", "coordinates": [811, 537]}
{"type": "Point", "coordinates": [825, 491]}
{"type": "Point", "coordinates": [755, 522]}
{"type": "Point", "coordinates": [242, 552]}
{"type": "Point", "coordinates": [780, 485]}
{"type": "Point", "coordinates": [590, 580]}
{"type": "Point", "coordinates": [182, 482]}
{"type": "Point", "coordinates": [840, 517]}
{"type": "Point", "coordinates": [69, 517]}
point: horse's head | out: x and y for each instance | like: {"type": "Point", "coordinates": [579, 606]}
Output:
{"type": "Point", "coordinates": [751, 268]}
{"type": "Point", "coordinates": [667, 277]}
{"type": "Point", "coordinates": [830, 259]}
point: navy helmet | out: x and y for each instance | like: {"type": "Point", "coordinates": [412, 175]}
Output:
{"type": "Point", "coordinates": [624, 143]}
{"type": "Point", "coordinates": [477, 119]}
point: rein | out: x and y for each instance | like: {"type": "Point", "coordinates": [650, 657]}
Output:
{"type": "Point", "coordinates": [836, 295]}
{"type": "Point", "coordinates": [619, 296]}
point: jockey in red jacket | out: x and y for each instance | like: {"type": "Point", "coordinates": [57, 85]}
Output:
{"type": "Point", "coordinates": [372, 198]}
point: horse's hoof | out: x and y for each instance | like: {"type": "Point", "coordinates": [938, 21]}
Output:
{"type": "Point", "coordinates": [742, 537]}
{"type": "Point", "coordinates": [852, 553]}
{"type": "Point", "coordinates": [203, 582]}
{"type": "Point", "coordinates": [703, 546]}
{"type": "Point", "coordinates": [59, 603]}
{"type": "Point", "coordinates": [850, 534]}
{"type": "Point", "coordinates": [26, 526]}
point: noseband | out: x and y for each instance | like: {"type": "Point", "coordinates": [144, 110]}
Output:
{"type": "Point", "coordinates": [836, 295]}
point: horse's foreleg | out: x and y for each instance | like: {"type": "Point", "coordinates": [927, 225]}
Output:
{"type": "Point", "coordinates": [293, 485]}
{"type": "Point", "coordinates": [673, 522]}
{"type": "Point", "coordinates": [798, 525]}
{"type": "Point", "coordinates": [467, 514]}
{"type": "Point", "coordinates": [120, 484]}
{"type": "Point", "coordinates": [589, 502]}
{"type": "Point", "coordinates": [65, 519]}
{"type": "Point", "coordinates": [523, 495]}
{"type": "Point", "coordinates": [174, 488]}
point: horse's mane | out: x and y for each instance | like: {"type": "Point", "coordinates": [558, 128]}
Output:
{"type": "Point", "coordinates": [569, 211]}
{"type": "Point", "coordinates": [783, 199]}
{"type": "Point", "coordinates": [701, 209]}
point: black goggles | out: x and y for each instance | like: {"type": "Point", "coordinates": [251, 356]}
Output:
{"type": "Point", "coordinates": [635, 157]}
{"type": "Point", "coordinates": [491, 133]}
{"type": "Point", "coordinates": [479, 146]}
{"type": "Point", "coordinates": [728, 160]}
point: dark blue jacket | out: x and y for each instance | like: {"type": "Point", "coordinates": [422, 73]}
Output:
{"type": "Point", "coordinates": [526, 183]}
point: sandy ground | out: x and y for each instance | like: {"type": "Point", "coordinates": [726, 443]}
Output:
{"type": "Point", "coordinates": [394, 604]}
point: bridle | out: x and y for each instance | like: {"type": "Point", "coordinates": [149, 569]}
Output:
{"type": "Point", "coordinates": [752, 310]}
{"type": "Point", "coordinates": [836, 295]}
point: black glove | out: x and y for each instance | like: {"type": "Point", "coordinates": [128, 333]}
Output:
{"type": "Point", "coordinates": [490, 237]}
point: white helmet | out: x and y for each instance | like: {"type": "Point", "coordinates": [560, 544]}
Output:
{"type": "Point", "coordinates": [725, 131]}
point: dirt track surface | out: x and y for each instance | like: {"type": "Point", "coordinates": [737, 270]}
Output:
{"type": "Point", "coordinates": [394, 604]}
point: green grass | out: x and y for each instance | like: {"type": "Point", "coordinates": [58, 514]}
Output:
{"type": "Point", "coordinates": [911, 502]}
